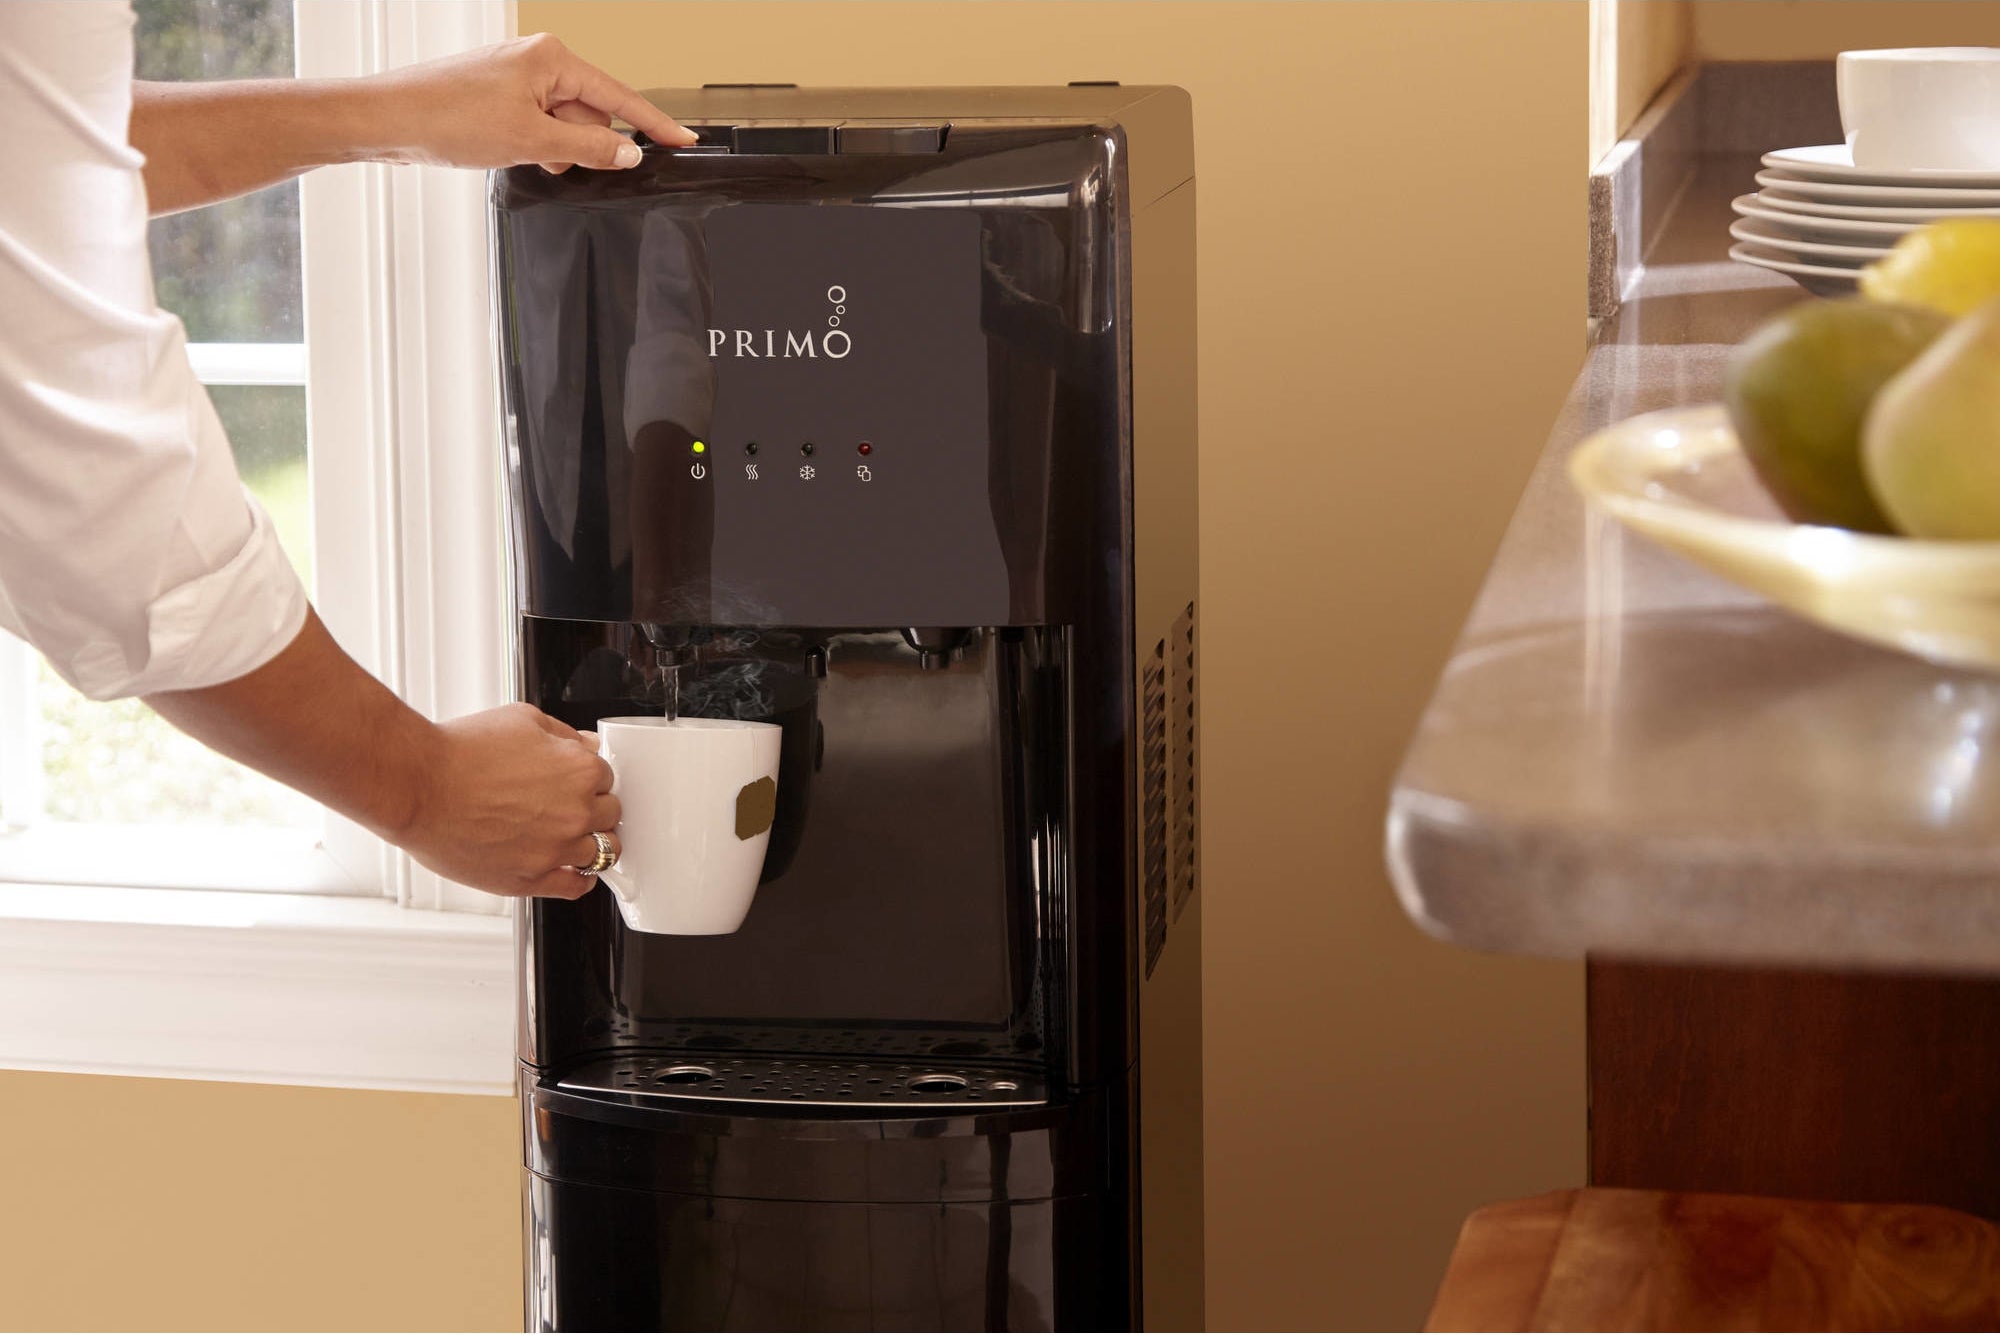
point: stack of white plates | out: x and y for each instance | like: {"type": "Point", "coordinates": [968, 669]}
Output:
{"type": "Point", "coordinates": [1819, 218]}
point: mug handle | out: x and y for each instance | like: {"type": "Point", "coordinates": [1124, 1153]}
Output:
{"type": "Point", "coordinates": [611, 876]}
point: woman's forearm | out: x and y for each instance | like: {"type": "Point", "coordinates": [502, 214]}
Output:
{"type": "Point", "coordinates": [528, 100]}
{"type": "Point", "coordinates": [314, 721]}
{"type": "Point", "coordinates": [211, 141]}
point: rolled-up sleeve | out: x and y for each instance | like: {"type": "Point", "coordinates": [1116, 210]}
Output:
{"type": "Point", "coordinates": [130, 555]}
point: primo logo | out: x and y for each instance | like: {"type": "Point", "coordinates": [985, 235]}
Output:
{"type": "Point", "coordinates": [831, 342]}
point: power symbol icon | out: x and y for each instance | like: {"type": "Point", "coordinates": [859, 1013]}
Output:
{"type": "Point", "coordinates": [697, 471]}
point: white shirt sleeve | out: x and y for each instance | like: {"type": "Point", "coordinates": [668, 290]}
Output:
{"type": "Point", "coordinates": [130, 555]}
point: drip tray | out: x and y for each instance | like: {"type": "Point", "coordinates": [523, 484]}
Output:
{"type": "Point", "coordinates": [741, 1078]}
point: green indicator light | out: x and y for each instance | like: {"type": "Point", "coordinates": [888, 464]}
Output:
{"type": "Point", "coordinates": [699, 448]}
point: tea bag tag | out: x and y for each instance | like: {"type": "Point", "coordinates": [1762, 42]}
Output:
{"type": "Point", "coordinates": [756, 806]}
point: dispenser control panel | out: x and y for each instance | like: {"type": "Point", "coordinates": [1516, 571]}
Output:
{"type": "Point", "coordinates": [823, 371]}
{"type": "Point", "coordinates": [867, 388]}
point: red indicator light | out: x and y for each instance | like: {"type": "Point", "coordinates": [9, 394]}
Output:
{"type": "Point", "coordinates": [865, 448]}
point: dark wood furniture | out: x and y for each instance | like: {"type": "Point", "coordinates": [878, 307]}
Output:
{"type": "Point", "coordinates": [1847, 1087]}
{"type": "Point", "coordinates": [1601, 1259]}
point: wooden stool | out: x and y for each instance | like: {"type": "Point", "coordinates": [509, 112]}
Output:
{"type": "Point", "coordinates": [1601, 1259]}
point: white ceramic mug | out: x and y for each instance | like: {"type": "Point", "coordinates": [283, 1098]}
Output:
{"type": "Point", "coordinates": [699, 796]}
{"type": "Point", "coordinates": [1922, 108]}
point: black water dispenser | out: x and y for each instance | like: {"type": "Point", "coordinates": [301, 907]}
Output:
{"type": "Point", "coordinates": [872, 415]}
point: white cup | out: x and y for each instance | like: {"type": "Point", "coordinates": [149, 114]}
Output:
{"type": "Point", "coordinates": [699, 796]}
{"type": "Point", "coordinates": [1922, 108]}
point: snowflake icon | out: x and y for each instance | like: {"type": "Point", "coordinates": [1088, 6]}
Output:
{"type": "Point", "coordinates": [806, 472]}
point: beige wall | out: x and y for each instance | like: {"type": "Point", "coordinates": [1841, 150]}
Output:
{"type": "Point", "coordinates": [1636, 46]}
{"type": "Point", "coordinates": [1815, 29]}
{"type": "Point", "coordinates": [1655, 38]}
{"type": "Point", "coordinates": [1392, 297]}
{"type": "Point", "coordinates": [177, 1205]}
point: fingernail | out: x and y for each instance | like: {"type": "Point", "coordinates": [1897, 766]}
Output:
{"type": "Point", "coordinates": [686, 136]}
{"type": "Point", "coordinates": [628, 155]}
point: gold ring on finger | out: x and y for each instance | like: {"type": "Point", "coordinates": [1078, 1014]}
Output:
{"type": "Point", "coordinates": [607, 854]}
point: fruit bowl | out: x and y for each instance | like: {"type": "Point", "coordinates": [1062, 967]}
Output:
{"type": "Point", "coordinates": [1680, 478]}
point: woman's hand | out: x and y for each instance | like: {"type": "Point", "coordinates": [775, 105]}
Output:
{"type": "Point", "coordinates": [511, 804]}
{"type": "Point", "coordinates": [528, 100]}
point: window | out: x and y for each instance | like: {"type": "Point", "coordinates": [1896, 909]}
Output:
{"type": "Point", "coordinates": [290, 316]}
{"type": "Point", "coordinates": [342, 326]}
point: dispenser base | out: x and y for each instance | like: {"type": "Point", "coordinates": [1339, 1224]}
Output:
{"type": "Point", "coordinates": [650, 1213]}
{"type": "Point", "coordinates": [607, 1258]}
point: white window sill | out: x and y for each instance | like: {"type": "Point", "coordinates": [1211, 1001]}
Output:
{"type": "Point", "coordinates": [180, 856]}
{"type": "Point", "coordinates": [253, 986]}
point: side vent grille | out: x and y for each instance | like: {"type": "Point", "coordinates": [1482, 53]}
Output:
{"type": "Point", "coordinates": [1153, 719]}
{"type": "Point", "coordinates": [1183, 717]}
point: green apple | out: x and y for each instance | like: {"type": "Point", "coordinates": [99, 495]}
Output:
{"type": "Point", "coordinates": [1798, 391]}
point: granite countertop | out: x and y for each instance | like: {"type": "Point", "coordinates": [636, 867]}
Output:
{"type": "Point", "coordinates": [1629, 757]}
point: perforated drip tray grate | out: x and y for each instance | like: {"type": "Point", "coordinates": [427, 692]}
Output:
{"type": "Point", "coordinates": [917, 1045]}
{"type": "Point", "coordinates": [710, 1077]}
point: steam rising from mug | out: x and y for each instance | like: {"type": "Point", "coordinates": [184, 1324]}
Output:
{"type": "Point", "coordinates": [731, 691]}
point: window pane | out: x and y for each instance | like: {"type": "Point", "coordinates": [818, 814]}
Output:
{"type": "Point", "coordinates": [267, 429]}
{"type": "Point", "coordinates": [231, 270]}
{"type": "Point", "coordinates": [119, 763]}
{"type": "Point", "coordinates": [213, 39]}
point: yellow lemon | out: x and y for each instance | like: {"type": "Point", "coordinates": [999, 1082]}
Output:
{"type": "Point", "coordinates": [1931, 445]}
{"type": "Point", "coordinates": [1951, 266]}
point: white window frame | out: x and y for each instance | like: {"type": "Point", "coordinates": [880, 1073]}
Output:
{"type": "Point", "coordinates": [411, 988]}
